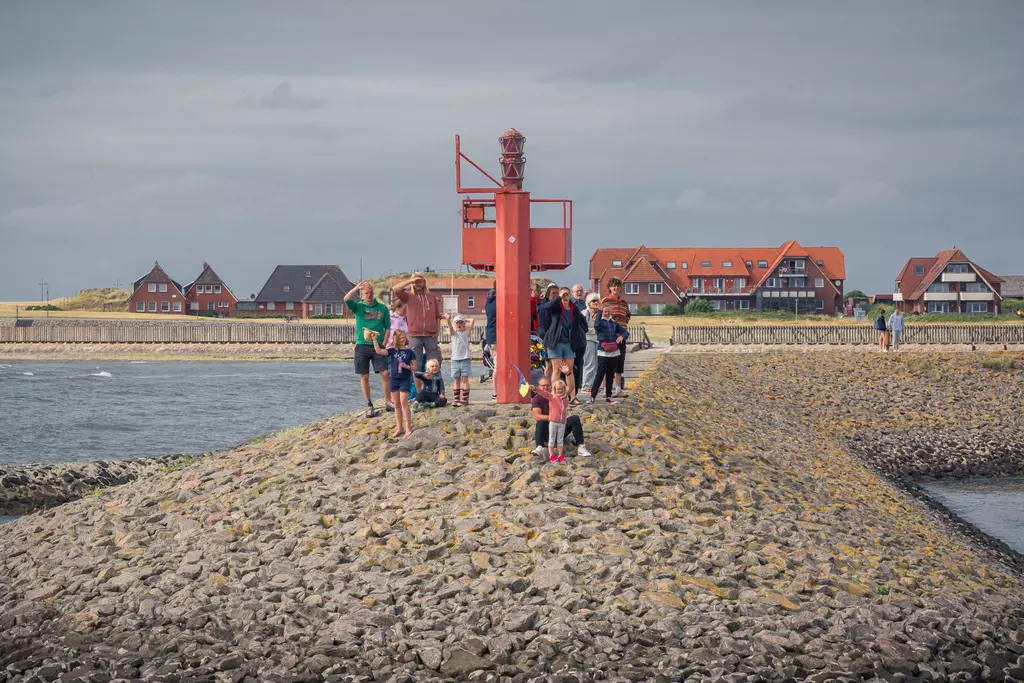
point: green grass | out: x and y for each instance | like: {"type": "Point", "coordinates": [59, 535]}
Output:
{"type": "Point", "coordinates": [178, 464]}
{"type": "Point", "coordinates": [96, 492]}
{"type": "Point", "coordinates": [267, 483]}
{"type": "Point", "coordinates": [1001, 364]}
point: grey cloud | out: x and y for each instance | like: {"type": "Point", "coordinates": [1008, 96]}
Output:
{"type": "Point", "coordinates": [282, 97]}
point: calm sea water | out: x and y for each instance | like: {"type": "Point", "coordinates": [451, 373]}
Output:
{"type": "Point", "coordinates": [996, 506]}
{"type": "Point", "coordinates": [63, 412]}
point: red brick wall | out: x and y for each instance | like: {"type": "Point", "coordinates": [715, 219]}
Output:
{"type": "Point", "coordinates": [146, 297]}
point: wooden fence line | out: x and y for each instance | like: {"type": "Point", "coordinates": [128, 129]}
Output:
{"type": "Point", "coordinates": [171, 332]}
{"type": "Point", "coordinates": [845, 334]}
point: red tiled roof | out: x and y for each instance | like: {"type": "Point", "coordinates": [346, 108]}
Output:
{"type": "Point", "coordinates": [914, 286]}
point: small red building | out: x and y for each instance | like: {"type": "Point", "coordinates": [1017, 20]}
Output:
{"type": "Point", "coordinates": [156, 292]}
{"type": "Point", "coordinates": [465, 295]}
{"type": "Point", "coordinates": [209, 293]}
{"type": "Point", "coordinates": [948, 282]}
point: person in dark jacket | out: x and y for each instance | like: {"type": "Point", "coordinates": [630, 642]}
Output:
{"type": "Point", "coordinates": [883, 331]}
{"type": "Point", "coordinates": [543, 314]}
{"type": "Point", "coordinates": [578, 338]}
{"type": "Point", "coordinates": [562, 317]}
{"type": "Point", "coordinates": [431, 394]}
{"type": "Point", "coordinates": [491, 331]}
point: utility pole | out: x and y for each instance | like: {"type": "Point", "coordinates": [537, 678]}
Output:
{"type": "Point", "coordinates": [41, 285]}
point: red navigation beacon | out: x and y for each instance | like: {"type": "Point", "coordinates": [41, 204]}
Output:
{"type": "Point", "coordinates": [497, 236]}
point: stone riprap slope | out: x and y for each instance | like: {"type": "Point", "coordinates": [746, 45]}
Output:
{"type": "Point", "coordinates": [24, 488]}
{"type": "Point", "coordinates": [721, 533]}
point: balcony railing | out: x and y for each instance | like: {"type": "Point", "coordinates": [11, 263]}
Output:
{"type": "Point", "coordinates": [717, 291]}
{"type": "Point", "coordinates": [792, 272]}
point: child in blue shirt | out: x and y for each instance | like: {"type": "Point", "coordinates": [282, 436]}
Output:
{"type": "Point", "coordinates": [401, 365]}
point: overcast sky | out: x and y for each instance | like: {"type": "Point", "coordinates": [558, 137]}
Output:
{"type": "Point", "coordinates": [250, 133]}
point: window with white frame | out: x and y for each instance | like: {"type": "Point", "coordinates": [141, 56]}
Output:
{"type": "Point", "coordinates": [975, 287]}
{"type": "Point", "coordinates": [977, 307]}
{"type": "Point", "coordinates": [216, 289]}
{"type": "Point", "coordinates": [697, 283]}
{"type": "Point", "coordinates": [727, 264]}
{"type": "Point", "coordinates": [163, 286]}
{"type": "Point", "coordinates": [165, 306]}
{"type": "Point", "coordinates": [718, 305]}
{"type": "Point", "coordinates": [705, 264]}
{"type": "Point", "coordinates": [762, 264]}
{"type": "Point", "coordinates": [471, 302]}
{"type": "Point", "coordinates": [140, 306]}
{"type": "Point", "coordinates": [748, 264]}
{"type": "Point", "coordinates": [683, 265]}
{"type": "Point", "coordinates": [819, 304]}
{"type": "Point", "coordinates": [820, 262]}
{"type": "Point", "coordinates": [938, 287]}
{"type": "Point", "coordinates": [152, 307]}
{"type": "Point", "coordinates": [270, 305]}
{"type": "Point", "coordinates": [657, 309]}
{"type": "Point", "coordinates": [958, 268]}
{"type": "Point", "coordinates": [719, 284]}
{"type": "Point", "coordinates": [177, 307]}
{"type": "Point", "coordinates": [151, 287]}
{"type": "Point", "coordinates": [632, 308]}
{"type": "Point", "coordinates": [671, 265]}
{"type": "Point", "coordinates": [819, 282]}
{"type": "Point", "coordinates": [771, 283]}
{"type": "Point", "coordinates": [211, 306]}
{"type": "Point", "coordinates": [738, 284]}
{"type": "Point", "coordinates": [938, 307]}
{"type": "Point", "coordinates": [616, 264]}
{"type": "Point", "coordinates": [632, 288]}
{"type": "Point", "coordinates": [654, 288]}
{"type": "Point", "coordinates": [743, 305]}
{"type": "Point", "coordinates": [289, 306]}
{"type": "Point", "coordinates": [798, 282]}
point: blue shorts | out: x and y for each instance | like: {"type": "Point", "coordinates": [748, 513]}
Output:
{"type": "Point", "coordinates": [401, 384]}
{"type": "Point", "coordinates": [461, 368]}
{"type": "Point", "coordinates": [561, 351]}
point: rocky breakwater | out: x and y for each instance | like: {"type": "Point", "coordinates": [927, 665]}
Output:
{"type": "Point", "coordinates": [721, 532]}
{"type": "Point", "coordinates": [25, 488]}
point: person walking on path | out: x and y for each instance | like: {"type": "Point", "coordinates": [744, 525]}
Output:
{"type": "Point", "coordinates": [896, 329]}
{"type": "Point", "coordinates": [564, 318]}
{"type": "Point", "coordinates": [610, 337]}
{"type": "Point", "coordinates": [460, 329]}
{"type": "Point", "coordinates": [883, 335]}
{"type": "Point", "coordinates": [541, 409]}
{"type": "Point", "coordinates": [423, 310]}
{"type": "Point", "coordinates": [372, 317]}
{"type": "Point", "coordinates": [491, 331]}
{"type": "Point", "coordinates": [621, 315]}
{"type": "Point", "coordinates": [590, 356]}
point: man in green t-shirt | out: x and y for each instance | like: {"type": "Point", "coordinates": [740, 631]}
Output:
{"type": "Point", "coordinates": [372, 319]}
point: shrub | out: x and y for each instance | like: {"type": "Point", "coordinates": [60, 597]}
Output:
{"type": "Point", "coordinates": [855, 294]}
{"type": "Point", "coordinates": [259, 315]}
{"type": "Point", "coordinates": [326, 316]}
{"type": "Point", "coordinates": [698, 306]}
{"type": "Point", "coordinates": [206, 314]}
{"type": "Point", "coordinates": [999, 364]}
{"type": "Point", "coordinates": [49, 307]}
{"type": "Point", "coordinates": [671, 309]}
{"type": "Point", "coordinates": [643, 310]}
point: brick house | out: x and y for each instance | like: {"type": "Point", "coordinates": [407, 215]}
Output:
{"type": "Point", "coordinates": [948, 282]}
{"type": "Point", "coordinates": [208, 292]}
{"type": "Point", "coordinates": [791, 277]}
{"type": "Point", "coordinates": [156, 292]}
{"type": "Point", "coordinates": [302, 291]}
{"type": "Point", "coordinates": [464, 295]}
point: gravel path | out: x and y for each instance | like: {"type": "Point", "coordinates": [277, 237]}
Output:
{"type": "Point", "coordinates": [723, 532]}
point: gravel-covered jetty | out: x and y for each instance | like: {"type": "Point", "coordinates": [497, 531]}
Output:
{"type": "Point", "coordinates": [724, 531]}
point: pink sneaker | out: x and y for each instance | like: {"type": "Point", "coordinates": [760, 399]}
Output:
{"type": "Point", "coordinates": [561, 458]}
{"type": "Point", "coordinates": [553, 458]}
{"type": "Point", "coordinates": [610, 400]}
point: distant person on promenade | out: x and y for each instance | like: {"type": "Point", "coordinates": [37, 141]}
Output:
{"type": "Point", "coordinates": [621, 315]}
{"type": "Point", "coordinates": [372, 317]}
{"type": "Point", "coordinates": [431, 394]}
{"type": "Point", "coordinates": [423, 310]}
{"type": "Point", "coordinates": [563, 319]}
{"type": "Point", "coordinates": [611, 336]}
{"type": "Point", "coordinates": [460, 328]}
{"type": "Point", "coordinates": [491, 331]}
{"type": "Point", "coordinates": [401, 365]}
{"type": "Point", "coordinates": [896, 329]}
{"type": "Point", "coordinates": [883, 335]}
{"type": "Point", "coordinates": [541, 409]}
{"type": "Point", "coordinates": [590, 356]}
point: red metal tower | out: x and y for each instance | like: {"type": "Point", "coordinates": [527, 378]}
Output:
{"type": "Point", "coordinates": [504, 242]}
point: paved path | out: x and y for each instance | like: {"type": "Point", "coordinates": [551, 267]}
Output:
{"type": "Point", "coordinates": [636, 362]}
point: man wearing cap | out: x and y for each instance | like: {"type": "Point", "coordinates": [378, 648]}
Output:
{"type": "Point", "coordinates": [422, 309]}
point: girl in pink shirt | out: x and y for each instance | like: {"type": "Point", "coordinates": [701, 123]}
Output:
{"type": "Point", "coordinates": [558, 411]}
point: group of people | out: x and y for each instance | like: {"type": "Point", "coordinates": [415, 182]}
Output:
{"type": "Point", "coordinates": [584, 337]}
{"type": "Point", "coordinates": [890, 333]}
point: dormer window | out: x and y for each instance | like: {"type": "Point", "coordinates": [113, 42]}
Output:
{"type": "Point", "coordinates": [671, 265]}
{"type": "Point", "coordinates": [616, 264]}
{"type": "Point", "coordinates": [309, 274]}
{"type": "Point", "coordinates": [820, 262]}
{"type": "Point", "coordinates": [727, 264]}
{"type": "Point", "coordinates": [287, 288]}
{"type": "Point", "coordinates": [705, 264]}
{"type": "Point", "coordinates": [918, 270]}
{"type": "Point", "coordinates": [683, 265]}
{"type": "Point", "coordinates": [762, 264]}
{"type": "Point", "coordinates": [749, 264]}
